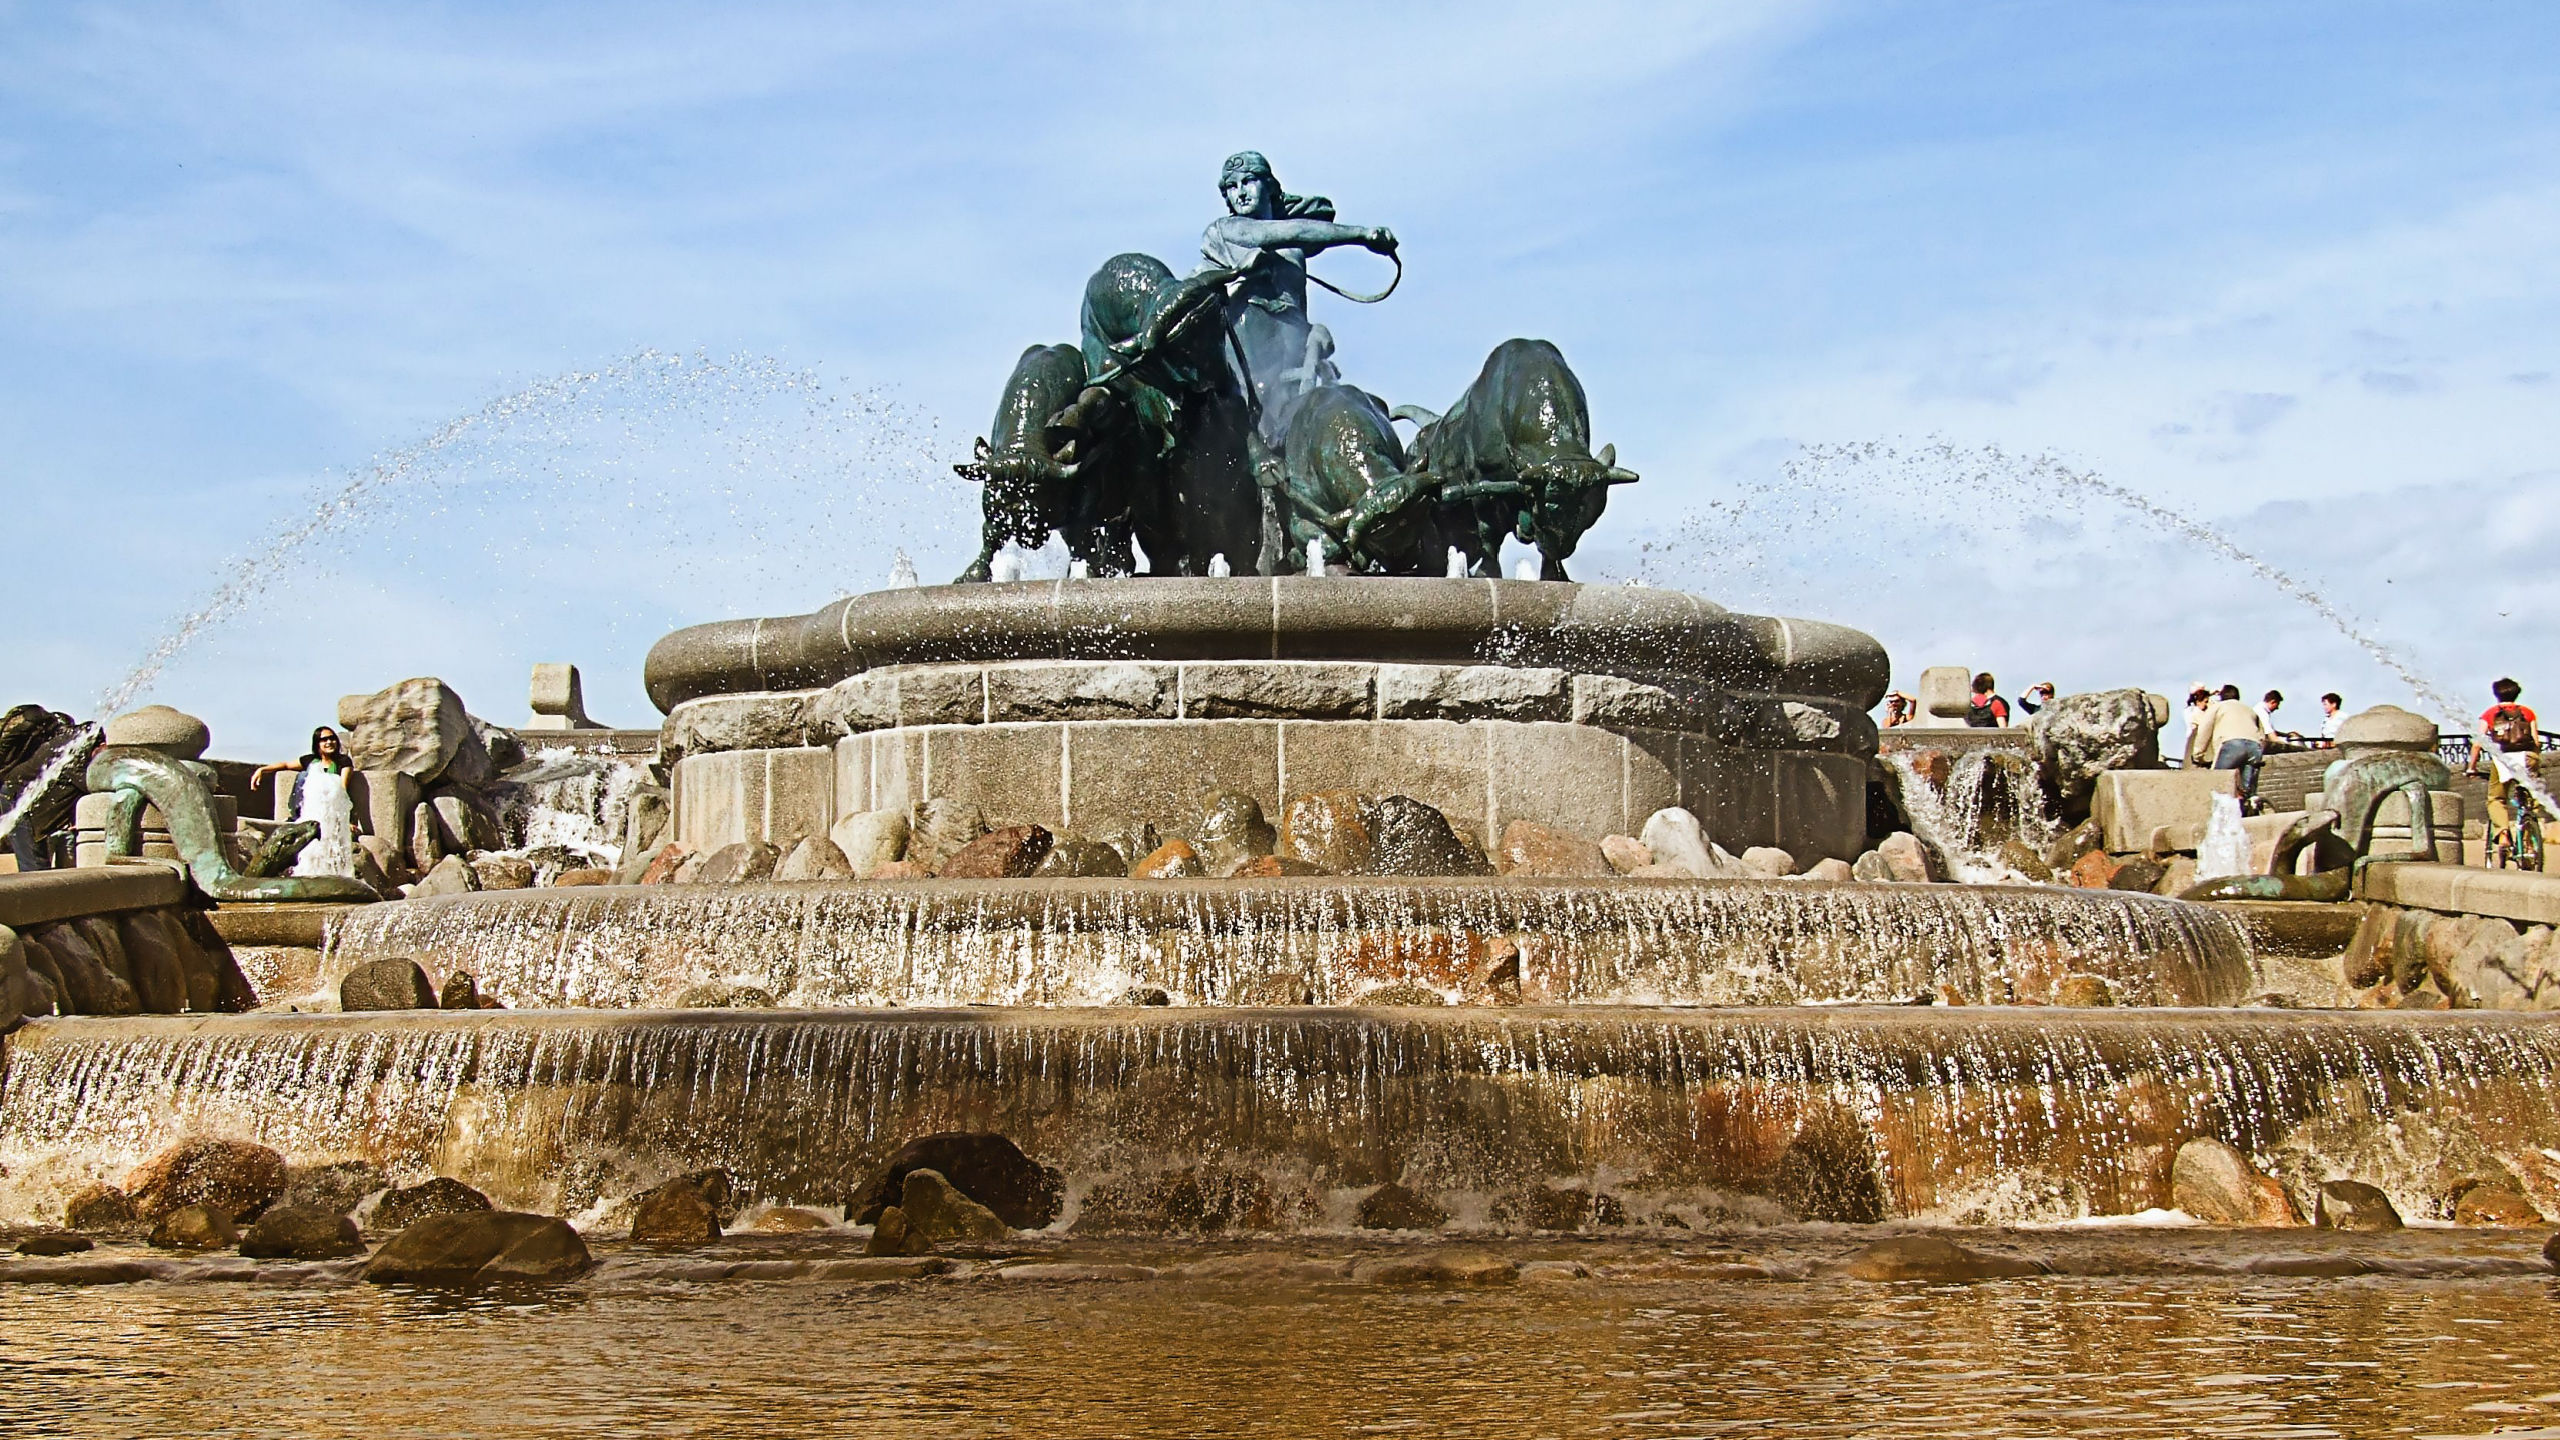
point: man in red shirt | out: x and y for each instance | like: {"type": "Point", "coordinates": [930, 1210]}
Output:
{"type": "Point", "coordinates": [2514, 730]}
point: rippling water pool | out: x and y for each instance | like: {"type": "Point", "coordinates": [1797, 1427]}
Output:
{"type": "Point", "coordinates": [1610, 1355]}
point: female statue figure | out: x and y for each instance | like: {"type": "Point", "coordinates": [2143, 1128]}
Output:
{"type": "Point", "coordinates": [1267, 234]}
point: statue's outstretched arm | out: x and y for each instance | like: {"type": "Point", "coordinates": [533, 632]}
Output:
{"type": "Point", "coordinates": [1307, 235]}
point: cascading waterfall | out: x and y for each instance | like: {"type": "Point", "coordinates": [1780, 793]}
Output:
{"type": "Point", "coordinates": [1990, 797]}
{"type": "Point", "coordinates": [568, 805]}
{"type": "Point", "coordinates": [1736, 942]}
{"type": "Point", "coordinates": [560, 1111]}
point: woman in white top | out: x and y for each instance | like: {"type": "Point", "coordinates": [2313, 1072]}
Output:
{"type": "Point", "coordinates": [320, 795]}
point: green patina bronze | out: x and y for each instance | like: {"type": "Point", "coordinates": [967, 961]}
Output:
{"type": "Point", "coordinates": [182, 790]}
{"type": "Point", "coordinates": [2356, 787]}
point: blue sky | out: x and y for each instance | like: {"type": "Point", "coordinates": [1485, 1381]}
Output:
{"type": "Point", "coordinates": [2283, 267]}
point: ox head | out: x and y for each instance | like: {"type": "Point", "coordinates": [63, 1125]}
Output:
{"type": "Point", "coordinates": [1567, 494]}
{"type": "Point", "coordinates": [1390, 518]}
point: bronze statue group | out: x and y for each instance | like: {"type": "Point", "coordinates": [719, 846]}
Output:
{"type": "Point", "coordinates": [1202, 421]}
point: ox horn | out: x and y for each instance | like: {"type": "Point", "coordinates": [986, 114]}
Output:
{"type": "Point", "coordinates": [1610, 473]}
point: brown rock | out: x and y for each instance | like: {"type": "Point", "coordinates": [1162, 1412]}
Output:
{"type": "Point", "coordinates": [942, 828]}
{"type": "Point", "coordinates": [663, 865]}
{"type": "Point", "coordinates": [155, 961]}
{"type": "Point", "coordinates": [1438, 1268]}
{"type": "Point", "coordinates": [404, 1207]}
{"type": "Point", "coordinates": [1173, 860]}
{"type": "Point", "coordinates": [392, 984]}
{"type": "Point", "coordinates": [101, 1207]}
{"type": "Point", "coordinates": [56, 1242]}
{"type": "Point", "coordinates": [1625, 853]}
{"type": "Point", "coordinates": [1232, 829]}
{"type": "Point", "coordinates": [590, 876]}
{"type": "Point", "coordinates": [988, 1168]}
{"type": "Point", "coordinates": [2093, 871]}
{"type": "Point", "coordinates": [937, 1212]}
{"type": "Point", "coordinates": [195, 1227]}
{"type": "Point", "coordinates": [1832, 869]}
{"type": "Point", "coordinates": [1325, 830]}
{"type": "Point", "coordinates": [2137, 874]}
{"type": "Point", "coordinates": [2495, 1206]}
{"type": "Point", "coordinates": [1011, 853]}
{"type": "Point", "coordinates": [234, 1175]}
{"type": "Point", "coordinates": [739, 862]}
{"type": "Point", "coordinates": [503, 872]}
{"type": "Point", "coordinates": [2084, 991]}
{"type": "Point", "coordinates": [2023, 858]}
{"type": "Point", "coordinates": [900, 870]}
{"type": "Point", "coordinates": [461, 992]}
{"type": "Point", "coordinates": [2216, 1184]}
{"type": "Point", "coordinates": [480, 1246]}
{"type": "Point", "coordinates": [1927, 1257]}
{"type": "Point", "coordinates": [301, 1232]}
{"type": "Point", "coordinates": [891, 1235]}
{"type": "Point", "coordinates": [1529, 848]}
{"type": "Point", "coordinates": [2354, 1205]}
{"type": "Point", "coordinates": [815, 858]}
{"type": "Point", "coordinates": [1393, 1207]}
{"type": "Point", "coordinates": [1074, 858]}
{"type": "Point", "coordinates": [1264, 867]}
{"type": "Point", "coordinates": [674, 1214]}
{"type": "Point", "coordinates": [788, 1220]}
{"type": "Point", "coordinates": [1905, 859]}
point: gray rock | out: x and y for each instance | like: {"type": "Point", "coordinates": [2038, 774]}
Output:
{"type": "Point", "coordinates": [1905, 859]}
{"type": "Point", "coordinates": [441, 1196]}
{"type": "Point", "coordinates": [479, 1247]}
{"type": "Point", "coordinates": [56, 1242]}
{"type": "Point", "coordinates": [1832, 869]}
{"type": "Point", "coordinates": [503, 872]}
{"type": "Point", "coordinates": [781, 720]}
{"type": "Point", "coordinates": [451, 875]}
{"type": "Point", "coordinates": [725, 995]}
{"type": "Point", "coordinates": [1328, 830]}
{"type": "Point", "coordinates": [195, 1227]}
{"type": "Point", "coordinates": [1393, 1207]}
{"type": "Point", "coordinates": [869, 839]}
{"type": "Point", "coordinates": [418, 728]}
{"type": "Point", "coordinates": [173, 733]}
{"type": "Point", "coordinates": [1674, 839]}
{"type": "Point", "coordinates": [738, 862]}
{"type": "Point", "coordinates": [815, 858]}
{"type": "Point", "coordinates": [644, 825]}
{"type": "Point", "coordinates": [1074, 858]}
{"type": "Point", "coordinates": [1408, 837]}
{"type": "Point", "coordinates": [338, 1187]}
{"type": "Point", "coordinates": [2080, 737]}
{"type": "Point", "coordinates": [466, 819]}
{"type": "Point", "coordinates": [2354, 1205]}
{"type": "Point", "coordinates": [1278, 689]}
{"type": "Point", "coordinates": [939, 1214]}
{"type": "Point", "coordinates": [302, 1232]}
{"type": "Point", "coordinates": [1473, 692]}
{"type": "Point", "coordinates": [943, 827]}
{"type": "Point", "coordinates": [986, 1167]}
{"type": "Point", "coordinates": [1810, 725]}
{"type": "Point", "coordinates": [891, 1235]}
{"type": "Point", "coordinates": [1133, 844]}
{"type": "Point", "coordinates": [1232, 829]}
{"type": "Point", "coordinates": [941, 695]}
{"type": "Point", "coordinates": [393, 984]}
{"type": "Point", "coordinates": [1080, 691]}
{"type": "Point", "coordinates": [88, 986]}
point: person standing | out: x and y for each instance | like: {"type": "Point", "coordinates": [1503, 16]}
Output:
{"type": "Point", "coordinates": [320, 796]}
{"type": "Point", "coordinates": [2038, 696]}
{"type": "Point", "coordinates": [1986, 710]}
{"type": "Point", "coordinates": [2333, 713]}
{"type": "Point", "coordinates": [2199, 703]}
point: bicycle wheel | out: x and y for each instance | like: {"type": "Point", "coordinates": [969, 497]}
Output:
{"type": "Point", "coordinates": [2529, 839]}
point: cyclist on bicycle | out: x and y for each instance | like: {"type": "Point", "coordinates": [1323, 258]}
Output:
{"type": "Point", "coordinates": [2513, 729]}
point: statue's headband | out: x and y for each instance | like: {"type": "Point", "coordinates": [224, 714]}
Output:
{"type": "Point", "coordinates": [1243, 163]}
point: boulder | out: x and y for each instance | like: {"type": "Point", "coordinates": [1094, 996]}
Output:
{"type": "Point", "coordinates": [589, 875]}
{"type": "Point", "coordinates": [338, 1187]}
{"type": "Point", "coordinates": [1408, 837]}
{"type": "Point", "coordinates": [788, 1220]}
{"type": "Point", "coordinates": [891, 1235]}
{"type": "Point", "coordinates": [89, 987]}
{"type": "Point", "coordinates": [466, 820]}
{"type": "Point", "coordinates": [1143, 995]}
{"type": "Point", "coordinates": [2093, 871]}
{"type": "Point", "coordinates": [986, 1167]}
{"type": "Point", "coordinates": [1075, 858]}
{"type": "Point", "coordinates": [393, 984]}
{"type": "Point", "coordinates": [1011, 853]}
{"type": "Point", "coordinates": [172, 732]}
{"type": "Point", "coordinates": [900, 870]}
{"type": "Point", "coordinates": [1232, 829]}
{"type": "Point", "coordinates": [2139, 874]}
{"type": "Point", "coordinates": [2495, 1205]}
{"type": "Point", "coordinates": [1930, 1258]}
{"type": "Point", "coordinates": [1677, 844]}
{"type": "Point", "coordinates": [2084, 991]}
{"type": "Point", "coordinates": [2080, 737]}
{"type": "Point", "coordinates": [195, 1227]}
{"type": "Point", "coordinates": [1768, 862]}
{"type": "Point", "coordinates": [815, 858]}
{"type": "Point", "coordinates": [462, 992]}
{"type": "Point", "coordinates": [480, 1247]}
{"type": "Point", "coordinates": [101, 1207]}
{"type": "Point", "coordinates": [869, 839]}
{"type": "Point", "coordinates": [674, 1214]}
{"type": "Point", "coordinates": [55, 1242]}
{"type": "Point", "coordinates": [1906, 859]}
{"type": "Point", "coordinates": [2024, 858]}
{"type": "Point", "coordinates": [23, 993]}
{"type": "Point", "coordinates": [2551, 1252]}
{"type": "Point", "coordinates": [2354, 1205]}
{"type": "Point", "coordinates": [1528, 848]}
{"type": "Point", "coordinates": [302, 1232]}
{"type": "Point", "coordinates": [725, 995]}
{"type": "Point", "coordinates": [1325, 829]}
{"type": "Point", "coordinates": [1829, 1171]}
{"type": "Point", "coordinates": [503, 872]}
{"type": "Point", "coordinates": [1393, 1207]}
{"type": "Point", "coordinates": [451, 875]}
{"type": "Point", "coordinates": [1625, 853]}
{"type": "Point", "coordinates": [663, 865]}
{"type": "Point", "coordinates": [418, 728]}
{"type": "Point", "coordinates": [410, 1204]}
{"type": "Point", "coordinates": [1133, 844]}
{"type": "Point", "coordinates": [738, 862]}
{"type": "Point", "coordinates": [1832, 869]}
{"type": "Point", "coordinates": [939, 1214]}
{"type": "Point", "coordinates": [2216, 1184]}
{"type": "Point", "coordinates": [1173, 860]}
{"type": "Point", "coordinates": [155, 960]}
{"type": "Point", "coordinates": [1568, 1207]}
{"type": "Point", "coordinates": [942, 828]}
{"type": "Point", "coordinates": [238, 1177]}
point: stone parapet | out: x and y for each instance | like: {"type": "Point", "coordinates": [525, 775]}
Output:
{"type": "Point", "coordinates": [1525, 624]}
{"type": "Point", "coordinates": [1038, 691]}
{"type": "Point", "coordinates": [2523, 896]}
{"type": "Point", "coordinates": [41, 897]}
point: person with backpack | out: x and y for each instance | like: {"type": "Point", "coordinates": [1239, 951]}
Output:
{"type": "Point", "coordinates": [2513, 729]}
{"type": "Point", "coordinates": [1986, 710]}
